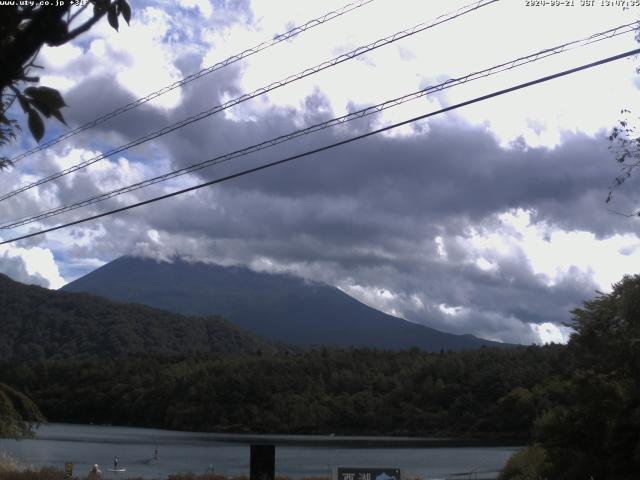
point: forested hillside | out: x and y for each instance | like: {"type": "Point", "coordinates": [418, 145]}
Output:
{"type": "Point", "coordinates": [36, 323]}
{"type": "Point", "coordinates": [486, 392]}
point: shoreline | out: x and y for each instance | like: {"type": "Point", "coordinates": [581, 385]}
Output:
{"type": "Point", "coordinates": [306, 440]}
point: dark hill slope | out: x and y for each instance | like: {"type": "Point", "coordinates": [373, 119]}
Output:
{"type": "Point", "coordinates": [36, 323]}
{"type": "Point", "coordinates": [280, 307]}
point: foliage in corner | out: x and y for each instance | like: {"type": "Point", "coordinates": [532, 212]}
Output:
{"type": "Point", "coordinates": [18, 413]}
{"type": "Point", "coordinates": [24, 30]}
{"type": "Point", "coordinates": [624, 143]}
{"type": "Point", "coordinates": [528, 464]}
{"type": "Point", "coordinates": [591, 427]}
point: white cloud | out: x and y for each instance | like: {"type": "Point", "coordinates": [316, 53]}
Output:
{"type": "Point", "coordinates": [449, 310]}
{"type": "Point", "coordinates": [539, 114]}
{"type": "Point", "coordinates": [58, 57]}
{"type": "Point", "coordinates": [551, 251]}
{"type": "Point", "coordinates": [30, 265]}
{"type": "Point", "coordinates": [151, 60]}
{"type": "Point", "coordinates": [203, 6]}
{"type": "Point", "coordinates": [138, 56]}
{"type": "Point", "coordinates": [379, 298]}
{"type": "Point", "coordinates": [550, 333]}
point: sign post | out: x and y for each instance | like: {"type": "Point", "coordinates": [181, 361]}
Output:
{"type": "Point", "coordinates": [364, 473]}
{"type": "Point", "coordinates": [263, 462]}
{"type": "Point", "coordinates": [68, 469]}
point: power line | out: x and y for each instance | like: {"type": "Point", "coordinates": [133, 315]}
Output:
{"type": "Point", "coordinates": [597, 37]}
{"type": "Point", "coordinates": [261, 91]}
{"type": "Point", "coordinates": [190, 78]}
{"type": "Point", "coordinates": [333, 145]}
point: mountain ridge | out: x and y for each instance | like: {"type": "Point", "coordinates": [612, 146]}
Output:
{"type": "Point", "coordinates": [277, 306]}
{"type": "Point", "coordinates": [37, 323]}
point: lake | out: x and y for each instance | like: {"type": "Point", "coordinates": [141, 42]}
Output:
{"type": "Point", "coordinates": [297, 456]}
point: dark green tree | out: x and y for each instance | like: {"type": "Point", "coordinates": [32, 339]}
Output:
{"type": "Point", "coordinates": [591, 428]}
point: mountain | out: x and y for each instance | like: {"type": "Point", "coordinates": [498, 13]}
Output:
{"type": "Point", "coordinates": [36, 323]}
{"type": "Point", "coordinates": [277, 306]}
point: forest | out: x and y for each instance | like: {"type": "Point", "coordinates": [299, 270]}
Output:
{"type": "Point", "coordinates": [486, 392]}
{"type": "Point", "coordinates": [576, 405]}
{"type": "Point", "coordinates": [38, 323]}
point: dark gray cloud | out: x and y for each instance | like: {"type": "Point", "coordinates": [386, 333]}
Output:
{"type": "Point", "coordinates": [371, 216]}
{"type": "Point", "coordinates": [367, 214]}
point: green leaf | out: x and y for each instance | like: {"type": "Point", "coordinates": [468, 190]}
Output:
{"type": "Point", "coordinates": [125, 9]}
{"type": "Point", "coordinates": [47, 100]}
{"type": "Point", "coordinates": [42, 107]}
{"type": "Point", "coordinates": [112, 16]}
{"type": "Point", "coordinates": [47, 95]}
{"type": "Point", "coordinates": [36, 125]}
{"type": "Point", "coordinates": [58, 115]}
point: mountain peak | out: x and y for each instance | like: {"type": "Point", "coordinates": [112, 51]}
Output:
{"type": "Point", "coordinates": [278, 306]}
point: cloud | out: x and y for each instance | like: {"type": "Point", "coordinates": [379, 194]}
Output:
{"type": "Point", "coordinates": [407, 225]}
{"type": "Point", "coordinates": [551, 333]}
{"type": "Point", "coordinates": [490, 220]}
{"type": "Point", "coordinates": [31, 266]}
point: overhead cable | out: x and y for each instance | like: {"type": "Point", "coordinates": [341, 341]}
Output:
{"type": "Point", "coordinates": [333, 145]}
{"type": "Point", "coordinates": [261, 91]}
{"type": "Point", "coordinates": [524, 60]}
{"type": "Point", "coordinates": [190, 78]}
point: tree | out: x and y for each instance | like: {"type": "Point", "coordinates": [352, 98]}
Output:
{"type": "Point", "coordinates": [24, 30]}
{"type": "Point", "coordinates": [592, 429]}
{"type": "Point", "coordinates": [624, 143]}
{"type": "Point", "coordinates": [18, 413]}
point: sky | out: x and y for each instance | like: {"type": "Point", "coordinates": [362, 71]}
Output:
{"type": "Point", "coordinates": [489, 219]}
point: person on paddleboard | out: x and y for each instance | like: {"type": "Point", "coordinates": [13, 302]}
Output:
{"type": "Point", "coordinates": [115, 463]}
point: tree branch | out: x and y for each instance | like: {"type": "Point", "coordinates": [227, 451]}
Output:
{"type": "Point", "coordinates": [84, 27]}
{"type": "Point", "coordinates": [26, 43]}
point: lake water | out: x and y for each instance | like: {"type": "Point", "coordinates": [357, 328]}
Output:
{"type": "Point", "coordinates": [296, 456]}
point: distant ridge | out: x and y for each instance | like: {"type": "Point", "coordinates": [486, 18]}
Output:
{"type": "Point", "coordinates": [277, 306]}
{"type": "Point", "coordinates": [38, 324]}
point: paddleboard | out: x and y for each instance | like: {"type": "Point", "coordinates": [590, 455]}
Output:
{"type": "Point", "coordinates": [116, 469]}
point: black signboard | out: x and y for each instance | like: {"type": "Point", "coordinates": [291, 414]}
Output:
{"type": "Point", "coordinates": [364, 473]}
